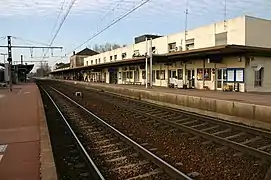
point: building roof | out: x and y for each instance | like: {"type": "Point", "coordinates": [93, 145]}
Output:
{"type": "Point", "coordinates": [86, 52]}
{"type": "Point", "coordinates": [21, 67]}
{"type": "Point", "coordinates": [215, 51]}
{"type": "Point", "coordinates": [62, 65]}
{"type": "Point", "coordinates": [220, 50]}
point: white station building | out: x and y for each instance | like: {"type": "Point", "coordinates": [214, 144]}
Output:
{"type": "Point", "coordinates": [228, 55]}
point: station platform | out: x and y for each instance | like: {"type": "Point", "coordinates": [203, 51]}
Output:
{"type": "Point", "coordinates": [25, 150]}
{"type": "Point", "coordinates": [253, 109]}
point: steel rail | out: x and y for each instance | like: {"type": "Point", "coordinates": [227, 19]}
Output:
{"type": "Point", "coordinates": [215, 138]}
{"type": "Point", "coordinates": [172, 171]}
{"type": "Point", "coordinates": [237, 126]}
{"type": "Point", "coordinates": [76, 138]}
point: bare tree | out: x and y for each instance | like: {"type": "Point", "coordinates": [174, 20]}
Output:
{"type": "Point", "coordinates": [44, 70]}
{"type": "Point", "coordinates": [106, 47]}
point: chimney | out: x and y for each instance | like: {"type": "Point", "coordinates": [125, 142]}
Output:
{"type": "Point", "coordinates": [73, 52]}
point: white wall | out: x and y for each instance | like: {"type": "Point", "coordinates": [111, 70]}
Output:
{"type": "Point", "coordinates": [204, 37]}
{"type": "Point", "coordinates": [258, 32]}
{"type": "Point", "coordinates": [250, 75]}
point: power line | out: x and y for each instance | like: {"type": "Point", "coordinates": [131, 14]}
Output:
{"type": "Point", "coordinates": [111, 24]}
{"type": "Point", "coordinates": [26, 40]}
{"type": "Point", "coordinates": [60, 12]}
{"type": "Point", "coordinates": [63, 20]}
{"type": "Point", "coordinates": [114, 22]}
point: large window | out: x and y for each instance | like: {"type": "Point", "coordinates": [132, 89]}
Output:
{"type": "Point", "coordinates": [172, 47]}
{"type": "Point", "coordinates": [206, 74]}
{"type": "Point", "coordinates": [124, 75]}
{"type": "Point", "coordinates": [160, 74]}
{"type": "Point", "coordinates": [180, 74]}
{"type": "Point", "coordinates": [130, 74]}
{"type": "Point", "coordinates": [123, 55]}
{"type": "Point", "coordinates": [258, 78]}
{"type": "Point", "coordinates": [190, 44]}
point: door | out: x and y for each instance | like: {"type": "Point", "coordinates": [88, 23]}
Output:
{"type": "Point", "coordinates": [153, 77]}
{"type": "Point", "coordinates": [136, 76]}
{"type": "Point", "coordinates": [191, 77]}
{"type": "Point", "coordinates": [221, 78]}
{"type": "Point", "coordinates": [113, 77]}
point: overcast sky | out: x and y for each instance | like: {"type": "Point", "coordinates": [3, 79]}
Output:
{"type": "Point", "coordinates": [35, 20]}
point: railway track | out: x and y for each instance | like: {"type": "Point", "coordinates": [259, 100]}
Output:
{"type": "Point", "coordinates": [112, 154]}
{"type": "Point", "coordinates": [242, 138]}
{"type": "Point", "coordinates": [70, 159]}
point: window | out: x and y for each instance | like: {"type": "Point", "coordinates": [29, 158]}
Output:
{"type": "Point", "coordinates": [95, 61]}
{"type": "Point", "coordinates": [206, 74]}
{"type": "Point", "coordinates": [169, 74]}
{"type": "Point", "coordinates": [87, 63]}
{"type": "Point", "coordinates": [111, 58]}
{"type": "Point", "coordinates": [190, 44]}
{"type": "Point", "coordinates": [115, 57]}
{"type": "Point", "coordinates": [136, 53]}
{"type": "Point", "coordinates": [160, 74]}
{"type": "Point", "coordinates": [99, 60]}
{"type": "Point", "coordinates": [153, 49]}
{"type": "Point", "coordinates": [258, 77]}
{"type": "Point", "coordinates": [172, 47]}
{"type": "Point", "coordinates": [179, 74]}
{"type": "Point", "coordinates": [124, 75]}
{"type": "Point", "coordinates": [81, 59]}
{"type": "Point", "coordinates": [104, 59]}
{"type": "Point", "coordinates": [91, 61]}
{"type": "Point", "coordinates": [157, 74]}
{"type": "Point", "coordinates": [123, 55]}
{"type": "Point", "coordinates": [130, 74]}
{"type": "Point", "coordinates": [221, 39]}
{"type": "Point", "coordinates": [174, 74]}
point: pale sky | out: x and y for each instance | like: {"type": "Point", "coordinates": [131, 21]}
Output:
{"type": "Point", "coordinates": [35, 20]}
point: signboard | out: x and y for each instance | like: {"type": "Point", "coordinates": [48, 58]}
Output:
{"type": "Point", "coordinates": [230, 75]}
{"type": "Point", "coordinates": [239, 75]}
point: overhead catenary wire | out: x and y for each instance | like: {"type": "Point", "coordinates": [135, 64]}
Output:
{"type": "Point", "coordinates": [59, 14]}
{"type": "Point", "coordinates": [193, 12]}
{"type": "Point", "coordinates": [61, 23]}
{"type": "Point", "coordinates": [113, 23]}
{"type": "Point", "coordinates": [109, 25]}
{"type": "Point", "coordinates": [26, 40]}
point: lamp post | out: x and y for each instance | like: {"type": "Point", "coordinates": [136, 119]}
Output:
{"type": "Point", "coordinates": [4, 54]}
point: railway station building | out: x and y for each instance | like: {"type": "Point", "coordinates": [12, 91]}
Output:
{"type": "Point", "coordinates": [232, 55]}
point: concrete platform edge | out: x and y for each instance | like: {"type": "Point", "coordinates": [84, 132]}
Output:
{"type": "Point", "coordinates": [47, 164]}
{"type": "Point", "coordinates": [222, 109]}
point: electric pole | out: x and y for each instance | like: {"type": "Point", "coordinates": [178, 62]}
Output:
{"type": "Point", "coordinates": [9, 47]}
{"type": "Point", "coordinates": [10, 63]}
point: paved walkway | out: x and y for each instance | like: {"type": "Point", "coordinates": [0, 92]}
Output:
{"type": "Point", "coordinates": [251, 98]}
{"type": "Point", "coordinates": [20, 133]}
